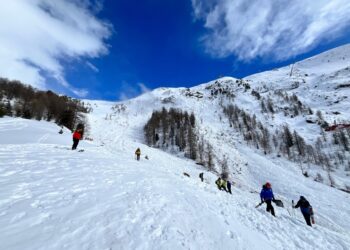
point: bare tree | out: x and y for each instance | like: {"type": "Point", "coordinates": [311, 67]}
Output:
{"type": "Point", "coordinates": [344, 140]}
{"type": "Point", "coordinates": [210, 158]}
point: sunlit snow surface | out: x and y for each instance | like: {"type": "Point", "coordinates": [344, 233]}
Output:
{"type": "Point", "coordinates": [102, 198]}
{"type": "Point", "coordinates": [54, 198]}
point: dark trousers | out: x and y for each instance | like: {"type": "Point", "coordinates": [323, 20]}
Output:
{"type": "Point", "coordinates": [222, 188]}
{"type": "Point", "coordinates": [269, 207]}
{"type": "Point", "coordinates": [307, 218]}
{"type": "Point", "coordinates": [75, 144]}
{"type": "Point", "coordinates": [138, 157]}
{"type": "Point", "coordinates": [229, 187]}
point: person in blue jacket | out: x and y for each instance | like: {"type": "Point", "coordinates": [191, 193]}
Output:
{"type": "Point", "coordinates": [267, 196]}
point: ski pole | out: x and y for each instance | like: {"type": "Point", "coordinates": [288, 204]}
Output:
{"type": "Point", "coordinates": [259, 204]}
{"type": "Point", "coordinates": [289, 212]}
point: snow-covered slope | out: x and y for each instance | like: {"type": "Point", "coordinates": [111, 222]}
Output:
{"type": "Point", "coordinates": [316, 81]}
{"type": "Point", "coordinates": [102, 198]}
{"type": "Point", "coordinates": [317, 91]}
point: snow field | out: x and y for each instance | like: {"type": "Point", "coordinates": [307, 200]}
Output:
{"type": "Point", "coordinates": [55, 198]}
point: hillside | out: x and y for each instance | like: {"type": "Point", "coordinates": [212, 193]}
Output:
{"type": "Point", "coordinates": [321, 82]}
{"type": "Point", "coordinates": [270, 99]}
{"type": "Point", "coordinates": [102, 198]}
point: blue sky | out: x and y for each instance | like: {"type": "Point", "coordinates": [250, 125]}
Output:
{"type": "Point", "coordinates": [117, 49]}
{"type": "Point", "coordinates": [156, 43]}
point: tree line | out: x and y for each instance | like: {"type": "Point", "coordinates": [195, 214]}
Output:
{"type": "Point", "coordinates": [290, 144]}
{"type": "Point", "coordinates": [283, 140]}
{"type": "Point", "coordinates": [176, 131]}
{"type": "Point", "coordinates": [19, 100]}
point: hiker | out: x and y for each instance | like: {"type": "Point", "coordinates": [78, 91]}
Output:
{"type": "Point", "coordinates": [138, 153]}
{"type": "Point", "coordinates": [221, 184]}
{"type": "Point", "coordinates": [77, 136]}
{"type": "Point", "coordinates": [201, 176]}
{"type": "Point", "coordinates": [229, 186]}
{"type": "Point", "coordinates": [267, 196]}
{"type": "Point", "coordinates": [305, 209]}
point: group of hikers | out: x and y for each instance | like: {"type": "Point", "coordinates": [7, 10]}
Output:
{"type": "Point", "coordinates": [266, 194]}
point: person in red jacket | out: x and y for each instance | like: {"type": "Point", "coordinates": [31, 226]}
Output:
{"type": "Point", "coordinates": [77, 136]}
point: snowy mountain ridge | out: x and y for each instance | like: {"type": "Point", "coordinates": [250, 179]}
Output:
{"type": "Point", "coordinates": [102, 198]}
{"type": "Point", "coordinates": [295, 93]}
{"type": "Point", "coordinates": [316, 80]}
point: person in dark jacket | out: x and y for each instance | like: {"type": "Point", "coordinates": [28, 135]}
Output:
{"type": "Point", "coordinates": [267, 196]}
{"type": "Point", "coordinates": [201, 176]}
{"type": "Point", "coordinates": [305, 209]}
{"type": "Point", "coordinates": [77, 136]}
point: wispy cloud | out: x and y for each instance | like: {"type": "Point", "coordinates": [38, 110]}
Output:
{"type": "Point", "coordinates": [93, 67]}
{"type": "Point", "coordinates": [280, 29]}
{"type": "Point", "coordinates": [143, 88]}
{"type": "Point", "coordinates": [132, 90]}
{"type": "Point", "coordinates": [37, 36]}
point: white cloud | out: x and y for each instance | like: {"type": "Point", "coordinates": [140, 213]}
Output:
{"type": "Point", "coordinates": [36, 36]}
{"type": "Point", "coordinates": [80, 92]}
{"type": "Point", "coordinates": [132, 90]}
{"type": "Point", "coordinates": [266, 28]}
{"type": "Point", "coordinates": [143, 88]}
{"type": "Point", "coordinates": [93, 67]}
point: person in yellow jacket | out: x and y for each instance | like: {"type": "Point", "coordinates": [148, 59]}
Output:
{"type": "Point", "coordinates": [138, 153]}
{"type": "Point", "coordinates": [221, 183]}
